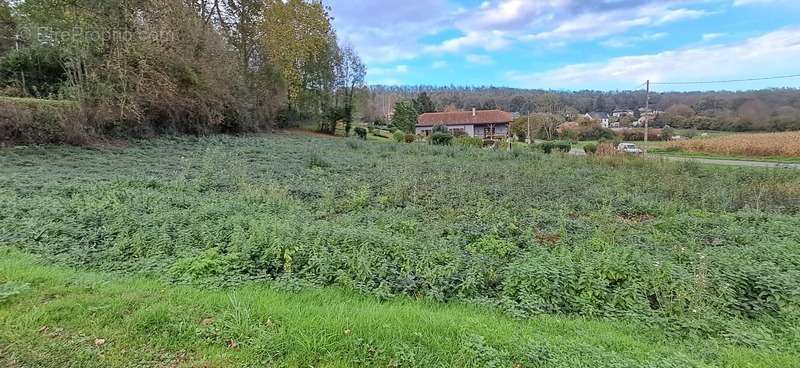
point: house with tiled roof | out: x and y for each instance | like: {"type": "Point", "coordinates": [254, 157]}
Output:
{"type": "Point", "coordinates": [486, 124]}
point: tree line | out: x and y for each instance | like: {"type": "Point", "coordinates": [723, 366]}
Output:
{"type": "Point", "coordinates": [189, 66]}
{"type": "Point", "coordinates": [759, 110]}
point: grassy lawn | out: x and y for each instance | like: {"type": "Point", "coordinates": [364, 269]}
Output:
{"type": "Point", "coordinates": [61, 317]}
{"type": "Point", "coordinates": [301, 250]}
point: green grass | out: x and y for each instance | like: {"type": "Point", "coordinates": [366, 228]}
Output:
{"type": "Point", "coordinates": [56, 319]}
{"type": "Point", "coordinates": [693, 252]}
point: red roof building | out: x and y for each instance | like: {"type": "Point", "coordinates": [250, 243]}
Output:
{"type": "Point", "coordinates": [475, 123]}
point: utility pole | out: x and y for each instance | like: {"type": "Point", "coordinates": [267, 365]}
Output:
{"type": "Point", "coordinates": [528, 136]}
{"type": "Point", "coordinates": [647, 112]}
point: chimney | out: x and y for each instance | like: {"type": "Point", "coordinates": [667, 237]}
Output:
{"type": "Point", "coordinates": [473, 111]}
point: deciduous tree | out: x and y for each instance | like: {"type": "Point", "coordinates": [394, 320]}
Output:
{"type": "Point", "coordinates": [298, 40]}
{"type": "Point", "coordinates": [8, 27]}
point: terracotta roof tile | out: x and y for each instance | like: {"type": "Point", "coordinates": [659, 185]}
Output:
{"type": "Point", "coordinates": [464, 118]}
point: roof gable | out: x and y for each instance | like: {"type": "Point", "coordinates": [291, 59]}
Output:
{"type": "Point", "coordinates": [598, 115]}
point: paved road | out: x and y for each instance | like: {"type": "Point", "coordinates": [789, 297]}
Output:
{"type": "Point", "coordinates": [709, 161]}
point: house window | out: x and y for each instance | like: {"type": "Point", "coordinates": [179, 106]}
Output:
{"type": "Point", "coordinates": [488, 131]}
{"type": "Point", "coordinates": [458, 132]}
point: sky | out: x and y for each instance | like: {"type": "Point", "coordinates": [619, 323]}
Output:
{"type": "Point", "coordinates": [574, 44]}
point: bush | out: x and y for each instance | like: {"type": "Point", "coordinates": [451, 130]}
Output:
{"type": "Point", "coordinates": [409, 138]}
{"type": "Point", "coordinates": [590, 148]}
{"type": "Point", "coordinates": [441, 139]}
{"type": "Point", "coordinates": [548, 147]}
{"type": "Point", "coordinates": [361, 132]}
{"type": "Point", "coordinates": [33, 121]}
{"type": "Point", "coordinates": [399, 136]}
{"type": "Point", "coordinates": [468, 141]}
{"type": "Point", "coordinates": [636, 135]}
{"type": "Point", "coordinates": [571, 135]}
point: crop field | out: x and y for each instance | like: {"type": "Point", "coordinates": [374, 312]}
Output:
{"type": "Point", "coordinates": [755, 144]}
{"type": "Point", "coordinates": [705, 259]}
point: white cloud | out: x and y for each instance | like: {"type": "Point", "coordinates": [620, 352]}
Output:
{"type": "Point", "coordinates": [673, 15]}
{"type": "Point", "coordinates": [388, 73]}
{"type": "Point", "coordinates": [479, 59]}
{"type": "Point", "coordinates": [497, 24]}
{"type": "Point", "coordinates": [771, 53]}
{"type": "Point", "coordinates": [594, 25]}
{"type": "Point", "coordinates": [489, 41]}
{"type": "Point", "coordinates": [619, 42]}
{"type": "Point", "coordinates": [364, 25]}
{"type": "Point", "coordinates": [393, 31]}
{"type": "Point", "coordinates": [712, 36]}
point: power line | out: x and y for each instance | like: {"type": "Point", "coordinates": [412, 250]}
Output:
{"type": "Point", "coordinates": [730, 80]}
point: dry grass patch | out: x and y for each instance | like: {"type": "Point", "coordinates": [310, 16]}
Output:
{"type": "Point", "coordinates": [757, 144]}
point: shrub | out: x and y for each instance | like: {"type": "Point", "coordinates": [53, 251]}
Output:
{"type": "Point", "coordinates": [590, 148]}
{"type": "Point", "coordinates": [33, 121]}
{"type": "Point", "coordinates": [441, 139]}
{"type": "Point", "coordinates": [633, 135]}
{"type": "Point", "coordinates": [399, 136]}
{"type": "Point", "coordinates": [361, 132]}
{"type": "Point", "coordinates": [563, 146]}
{"type": "Point", "coordinates": [409, 138]}
{"type": "Point", "coordinates": [570, 134]}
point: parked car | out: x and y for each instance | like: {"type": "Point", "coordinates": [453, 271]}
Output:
{"type": "Point", "coordinates": [629, 148]}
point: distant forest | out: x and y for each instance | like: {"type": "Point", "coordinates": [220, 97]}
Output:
{"type": "Point", "coordinates": [759, 110]}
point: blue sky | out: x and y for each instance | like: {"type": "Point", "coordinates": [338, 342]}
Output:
{"type": "Point", "coordinates": [573, 44]}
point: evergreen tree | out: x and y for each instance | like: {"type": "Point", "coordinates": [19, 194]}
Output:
{"type": "Point", "coordinates": [423, 103]}
{"type": "Point", "coordinates": [405, 116]}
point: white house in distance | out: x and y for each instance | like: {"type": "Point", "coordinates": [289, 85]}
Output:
{"type": "Point", "coordinates": [600, 117]}
{"type": "Point", "coordinates": [618, 113]}
{"type": "Point", "coordinates": [486, 124]}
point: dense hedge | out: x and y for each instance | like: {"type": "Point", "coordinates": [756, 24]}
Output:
{"type": "Point", "coordinates": [28, 120]}
{"type": "Point", "coordinates": [549, 147]}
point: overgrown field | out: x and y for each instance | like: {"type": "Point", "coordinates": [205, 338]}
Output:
{"type": "Point", "coordinates": [757, 144]}
{"type": "Point", "coordinates": [697, 251]}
